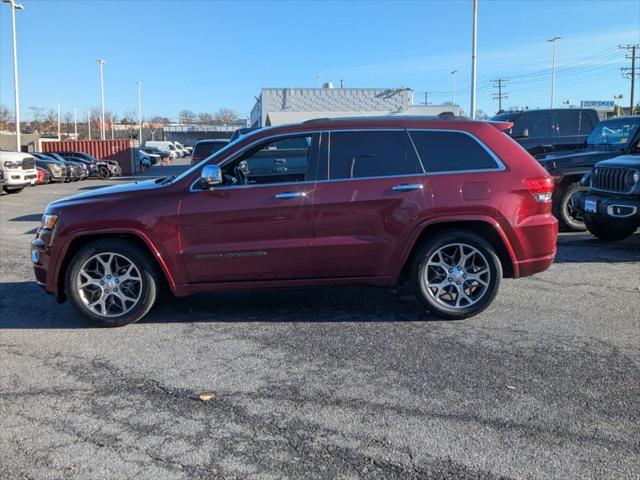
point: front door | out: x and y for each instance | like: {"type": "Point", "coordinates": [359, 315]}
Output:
{"type": "Point", "coordinates": [257, 225]}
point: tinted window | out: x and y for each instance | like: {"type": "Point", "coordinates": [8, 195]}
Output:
{"type": "Point", "coordinates": [538, 124]}
{"type": "Point", "coordinates": [285, 160]}
{"type": "Point", "coordinates": [204, 149]}
{"type": "Point", "coordinates": [450, 151]}
{"type": "Point", "coordinates": [614, 132]}
{"type": "Point", "coordinates": [371, 154]}
{"type": "Point", "coordinates": [573, 123]}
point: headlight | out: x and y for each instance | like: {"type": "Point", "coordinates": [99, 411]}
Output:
{"type": "Point", "coordinates": [636, 177]}
{"type": "Point", "coordinates": [12, 163]}
{"type": "Point", "coordinates": [49, 221]}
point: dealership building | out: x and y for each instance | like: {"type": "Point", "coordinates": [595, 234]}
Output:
{"type": "Point", "coordinates": [277, 106]}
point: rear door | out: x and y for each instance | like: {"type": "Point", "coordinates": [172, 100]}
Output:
{"type": "Point", "coordinates": [371, 193]}
{"type": "Point", "coordinates": [257, 226]}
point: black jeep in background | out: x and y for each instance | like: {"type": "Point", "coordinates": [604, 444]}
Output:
{"type": "Point", "coordinates": [611, 138]}
{"type": "Point", "coordinates": [551, 130]}
{"type": "Point", "coordinates": [611, 205]}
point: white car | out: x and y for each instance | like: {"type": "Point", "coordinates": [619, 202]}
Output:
{"type": "Point", "coordinates": [19, 171]}
{"type": "Point", "coordinates": [183, 151]}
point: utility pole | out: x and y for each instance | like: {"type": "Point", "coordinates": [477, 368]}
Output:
{"type": "Point", "coordinates": [89, 123]}
{"type": "Point", "coordinates": [426, 98]}
{"type": "Point", "coordinates": [16, 92]}
{"type": "Point", "coordinates": [139, 83]}
{"type": "Point", "coordinates": [453, 86]}
{"type": "Point", "coordinates": [75, 122]}
{"type": "Point", "coordinates": [631, 72]}
{"type": "Point", "coordinates": [499, 84]}
{"type": "Point", "coordinates": [553, 69]}
{"type": "Point", "coordinates": [474, 51]}
{"type": "Point", "coordinates": [101, 62]}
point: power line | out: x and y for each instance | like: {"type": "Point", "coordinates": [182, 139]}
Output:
{"type": "Point", "coordinates": [499, 83]}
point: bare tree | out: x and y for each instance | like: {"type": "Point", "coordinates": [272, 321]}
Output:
{"type": "Point", "coordinates": [6, 117]}
{"type": "Point", "coordinates": [226, 116]}
{"type": "Point", "coordinates": [206, 118]}
{"type": "Point", "coordinates": [67, 119]}
{"type": "Point", "coordinates": [158, 119]}
{"type": "Point", "coordinates": [186, 117]}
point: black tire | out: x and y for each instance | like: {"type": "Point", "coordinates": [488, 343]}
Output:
{"type": "Point", "coordinates": [419, 272]}
{"type": "Point", "coordinates": [570, 218]}
{"type": "Point", "coordinates": [610, 231]}
{"type": "Point", "coordinates": [149, 279]}
{"type": "Point", "coordinates": [14, 190]}
{"type": "Point", "coordinates": [103, 173]}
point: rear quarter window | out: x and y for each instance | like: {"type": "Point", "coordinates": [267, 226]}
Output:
{"type": "Point", "coordinates": [451, 152]}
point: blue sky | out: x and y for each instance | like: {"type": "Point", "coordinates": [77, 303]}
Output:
{"type": "Point", "coordinates": [203, 55]}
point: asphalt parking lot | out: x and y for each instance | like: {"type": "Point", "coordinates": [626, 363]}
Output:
{"type": "Point", "coordinates": [324, 383]}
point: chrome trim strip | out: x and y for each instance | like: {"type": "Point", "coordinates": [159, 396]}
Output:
{"type": "Point", "coordinates": [501, 166]}
{"type": "Point", "coordinates": [404, 188]}
{"type": "Point", "coordinates": [286, 195]}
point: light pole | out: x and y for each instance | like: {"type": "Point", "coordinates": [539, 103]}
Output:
{"type": "Point", "coordinates": [453, 86]}
{"type": "Point", "coordinates": [59, 138]}
{"type": "Point", "coordinates": [75, 122]}
{"type": "Point", "coordinates": [101, 62]}
{"type": "Point", "coordinates": [89, 123]}
{"type": "Point", "coordinates": [139, 83]}
{"type": "Point", "coordinates": [553, 69]}
{"type": "Point", "coordinates": [616, 105]}
{"type": "Point", "coordinates": [474, 39]}
{"type": "Point", "coordinates": [15, 6]}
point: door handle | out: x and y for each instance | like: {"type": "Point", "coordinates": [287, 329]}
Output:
{"type": "Point", "coordinates": [407, 187]}
{"type": "Point", "coordinates": [290, 195]}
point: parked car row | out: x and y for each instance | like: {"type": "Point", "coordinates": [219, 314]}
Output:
{"type": "Point", "coordinates": [167, 148]}
{"type": "Point", "coordinates": [36, 168]}
{"type": "Point", "coordinates": [568, 143]}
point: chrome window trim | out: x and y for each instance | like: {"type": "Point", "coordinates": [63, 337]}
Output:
{"type": "Point", "coordinates": [500, 165]}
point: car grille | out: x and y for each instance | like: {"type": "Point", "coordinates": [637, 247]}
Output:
{"type": "Point", "coordinates": [613, 179]}
{"type": "Point", "coordinates": [28, 163]}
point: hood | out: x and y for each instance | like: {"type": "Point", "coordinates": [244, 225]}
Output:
{"type": "Point", "coordinates": [577, 158]}
{"type": "Point", "coordinates": [627, 161]}
{"type": "Point", "coordinates": [106, 193]}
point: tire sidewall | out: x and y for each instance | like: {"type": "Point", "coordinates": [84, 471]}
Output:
{"type": "Point", "coordinates": [561, 212]}
{"type": "Point", "coordinates": [143, 264]}
{"type": "Point", "coordinates": [420, 265]}
{"type": "Point", "coordinates": [609, 231]}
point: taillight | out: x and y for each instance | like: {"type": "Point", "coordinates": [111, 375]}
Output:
{"type": "Point", "coordinates": [540, 187]}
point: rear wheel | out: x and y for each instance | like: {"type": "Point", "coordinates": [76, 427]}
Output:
{"type": "Point", "coordinates": [456, 274]}
{"type": "Point", "coordinates": [112, 282]}
{"type": "Point", "coordinates": [610, 231]}
{"type": "Point", "coordinates": [103, 172]}
{"type": "Point", "coordinates": [570, 218]}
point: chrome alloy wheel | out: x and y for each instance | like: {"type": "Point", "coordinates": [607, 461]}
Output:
{"type": "Point", "coordinates": [457, 275]}
{"type": "Point", "coordinates": [109, 284]}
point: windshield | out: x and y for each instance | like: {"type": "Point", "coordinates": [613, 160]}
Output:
{"type": "Point", "coordinates": [616, 133]}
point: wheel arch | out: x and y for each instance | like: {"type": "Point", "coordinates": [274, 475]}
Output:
{"type": "Point", "coordinates": [135, 238]}
{"type": "Point", "coordinates": [488, 230]}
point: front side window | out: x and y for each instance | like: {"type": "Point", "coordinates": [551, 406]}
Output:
{"type": "Point", "coordinates": [451, 151]}
{"type": "Point", "coordinates": [285, 160]}
{"type": "Point", "coordinates": [614, 133]}
{"type": "Point", "coordinates": [371, 154]}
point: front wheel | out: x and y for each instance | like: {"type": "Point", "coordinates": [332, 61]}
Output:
{"type": "Point", "coordinates": [103, 173]}
{"type": "Point", "coordinates": [610, 231]}
{"type": "Point", "coordinates": [112, 282]}
{"type": "Point", "coordinates": [13, 190]}
{"type": "Point", "coordinates": [456, 274]}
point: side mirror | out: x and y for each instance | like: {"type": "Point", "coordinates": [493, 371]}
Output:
{"type": "Point", "coordinates": [211, 176]}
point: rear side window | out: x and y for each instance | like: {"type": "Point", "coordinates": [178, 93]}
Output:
{"type": "Point", "coordinates": [371, 154]}
{"type": "Point", "coordinates": [532, 124]}
{"type": "Point", "coordinates": [451, 151]}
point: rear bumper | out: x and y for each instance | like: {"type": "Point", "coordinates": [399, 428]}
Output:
{"type": "Point", "coordinates": [535, 245]}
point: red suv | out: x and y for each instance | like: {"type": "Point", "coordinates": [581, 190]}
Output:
{"type": "Point", "coordinates": [450, 206]}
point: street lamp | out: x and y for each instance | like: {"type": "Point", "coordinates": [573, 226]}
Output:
{"type": "Point", "coordinates": [566, 103]}
{"type": "Point", "coordinates": [139, 83]}
{"type": "Point", "coordinates": [553, 69]}
{"type": "Point", "coordinates": [101, 62]}
{"type": "Point", "coordinates": [15, 6]}
{"type": "Point", "coordinates": [474, 51]}
{"type": "Point", "coordinates": [453, 86]}
{"type": "Point", "coordinates": [75, 122]}
{"type": "Point", "coordinates": [616, 99]}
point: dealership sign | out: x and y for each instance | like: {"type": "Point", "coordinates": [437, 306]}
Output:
{"type": "Point", "coordinates": [598, 104]}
